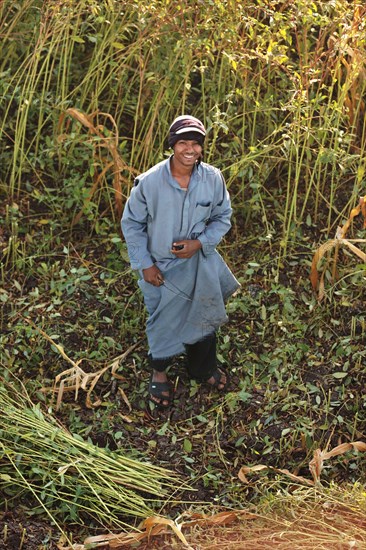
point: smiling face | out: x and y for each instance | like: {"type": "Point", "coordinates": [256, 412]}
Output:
{"type": "Point", "coordinates": [186, 153]}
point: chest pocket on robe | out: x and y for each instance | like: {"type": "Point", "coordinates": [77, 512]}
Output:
{"type": "Point", "coordinates": [202, 212]}
{"type": "Point", "coordinates": [201, 215]}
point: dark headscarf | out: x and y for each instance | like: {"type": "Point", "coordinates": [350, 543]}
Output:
{"type": "Point", "coordinates": [186, 127]}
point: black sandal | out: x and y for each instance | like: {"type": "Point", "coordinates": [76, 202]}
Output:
{"type": "Point", "coordinates": [217, 375]}
{"type": "Point", "coordinates": [156, 389]}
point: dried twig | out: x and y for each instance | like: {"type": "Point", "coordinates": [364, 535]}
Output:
{"type": "Point", "coordinates": [75, 378]}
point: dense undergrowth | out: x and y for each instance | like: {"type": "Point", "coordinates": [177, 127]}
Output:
{"type": "Point", "coordinates": [280, 87]}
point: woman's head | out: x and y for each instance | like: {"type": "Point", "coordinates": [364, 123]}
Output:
{"type": "Point", "coordinates": [186, 127]}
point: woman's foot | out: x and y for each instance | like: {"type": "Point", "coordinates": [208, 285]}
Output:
{"type": "Point", "coordinates": [218, 380]}
{"type": "Point", "coordinates": [160, 389]}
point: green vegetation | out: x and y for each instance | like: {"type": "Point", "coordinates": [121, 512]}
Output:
{"type": "Point", "coordinates": [87, 92]}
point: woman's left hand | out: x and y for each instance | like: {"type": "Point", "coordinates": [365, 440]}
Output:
{"type": "Point", "coordinates": [189, 248]}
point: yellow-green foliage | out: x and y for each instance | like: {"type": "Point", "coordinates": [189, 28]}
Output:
{"type": "Point", "coordinates": [279, 85]}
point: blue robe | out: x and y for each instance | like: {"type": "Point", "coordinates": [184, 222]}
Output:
{"type": "Point", "coordinates": [191, 303]}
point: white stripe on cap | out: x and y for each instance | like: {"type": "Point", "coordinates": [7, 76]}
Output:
{"type": "Point", "coordinates": [189, 129]}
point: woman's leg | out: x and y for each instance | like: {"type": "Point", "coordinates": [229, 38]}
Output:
{"type": "Point", "coordinates": [201, 358]}
{"type": "Point", "coordinates": [202, 362]}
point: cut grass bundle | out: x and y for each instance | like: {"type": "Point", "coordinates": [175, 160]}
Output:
{"type": "Point", "coordinates": [71, 478]}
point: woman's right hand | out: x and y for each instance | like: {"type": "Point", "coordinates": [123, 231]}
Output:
{"type": "Point", "coordinates": [153, 276]}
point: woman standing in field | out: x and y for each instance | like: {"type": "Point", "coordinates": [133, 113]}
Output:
{"type": "Point", "coordinates": [176, 215]}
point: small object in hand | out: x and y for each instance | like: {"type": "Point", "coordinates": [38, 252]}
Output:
{"type": "Point", "coordinates": [178, 246]}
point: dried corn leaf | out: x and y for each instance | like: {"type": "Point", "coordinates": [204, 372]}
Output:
{"type": "Point", "coordinates": [260, 467]}
{"type": "Point", "coordinates": [61, 546]}
{"type": "Point", "coordinates": [323, 249]}
{"type": "Point", "coordinates": [363, 210]}
{"type": "Point", "coordinates": [154, 525]}
{"type": "Point", "coordinates": [221, 518]}
{"type": "Point", "coordinates": [109, 141]}
{"type": "Point", "coordinates": [85, 120]}
{"type": "Point", "coordinates": [345, 447]}
{"type": "Point", "coordinates": [335, 243]}
{"type": "Point", "coordinates": [125, 399]}
{"type": "Point", "coordinates": [121, 539]}
{"type": "Point", "coordinates": [316, 464]}
{"type": "Point", "coordinates": [354, 212]}
{"type": "Point", "coordinates": [356, 250]}
{"type": "Point", "coordinates": [321, 291]}
{"type": "Point", "coordinates": [154, 521]}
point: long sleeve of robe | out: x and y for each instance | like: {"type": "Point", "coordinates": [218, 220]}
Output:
{"type": "Point", "coordinates": [191, 303]}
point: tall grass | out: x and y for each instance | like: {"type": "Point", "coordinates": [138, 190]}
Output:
{"type": "Point", "coordinates": [280, 87]}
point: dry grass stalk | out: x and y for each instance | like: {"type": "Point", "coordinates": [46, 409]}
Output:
{"type": "Point", "coordinates": [75, 378]}
{"type": "Point", "coordinates": [298, 524]}
{"type": "Point", "coordinates": [108, 140]}
{"type": "Point", "coordinates": [339, 240]}
{"type": "Point", "coordinates": [316, 465]}
{"type": "Point", "coordinates": [151, 527]}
